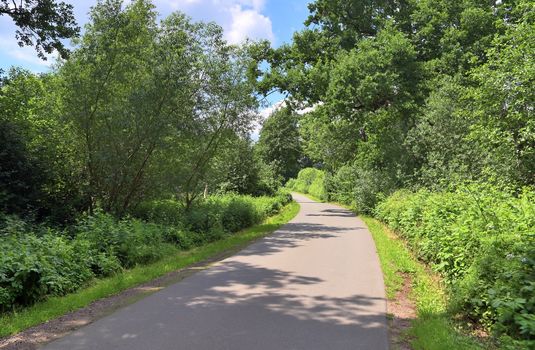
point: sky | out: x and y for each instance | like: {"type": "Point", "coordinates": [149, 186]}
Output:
{"type": "Point", "coordinates": [275, 20]}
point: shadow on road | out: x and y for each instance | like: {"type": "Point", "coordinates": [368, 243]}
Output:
{"type": "Point", "coordinates": [293, 235]}
{"type": "Point", "coordinates": [334, 212]}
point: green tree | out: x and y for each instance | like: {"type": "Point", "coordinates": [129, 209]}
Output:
{"type": "Point", "coordinates": [30, 115]}
{"type": "Point", "coordinates": [503, 102]}
{"type": "Point", "coordinates": [279, 144]}
{"type": "Point", "coordinates": [43, 23]}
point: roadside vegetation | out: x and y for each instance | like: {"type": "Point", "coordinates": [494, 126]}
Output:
{"type": "Point", "coordinates": [421, 114]}
{"type": "Point", "coordinates": [132, 150]}
{"type": "Point", "coordinates": [177, 258]}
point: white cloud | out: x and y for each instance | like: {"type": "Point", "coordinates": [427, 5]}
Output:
{"type": "Point", "coordinates": [26, 54]}
{"type": "Point", "coordinates": [240, 19]}
{"type": "Point", "coordinates": [248, 24]}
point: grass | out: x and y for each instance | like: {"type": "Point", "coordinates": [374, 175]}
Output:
{"type": "Point", "coordinates": [57, 306]}
{"type": "Point", "coordinates": [433, 328]}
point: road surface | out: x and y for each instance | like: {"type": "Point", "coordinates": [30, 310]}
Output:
{"type": "Point", "coordinates": [315, 283]}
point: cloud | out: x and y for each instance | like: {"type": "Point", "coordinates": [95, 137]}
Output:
{"type": "Point", "coordinates": [26, 55]}
{"type": "Point", "coordinates": [248, 24]}
{"type": "Point", "coordinates": [240, 19]}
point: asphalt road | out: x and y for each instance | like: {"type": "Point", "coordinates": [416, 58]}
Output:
{"type": "Point", "coordinates": [314, 284]}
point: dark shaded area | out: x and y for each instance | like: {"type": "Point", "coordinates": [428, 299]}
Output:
{"type": "Point", "coordinates": [334, 212]}
{"type": "Point", "coordinates": [242, 306]}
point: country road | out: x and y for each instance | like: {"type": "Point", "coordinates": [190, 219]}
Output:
{"type": "Point", "coordinates": [315, 283]}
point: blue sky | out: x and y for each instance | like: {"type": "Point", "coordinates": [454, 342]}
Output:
{"type": "Point", "coordinates": [275, 20]}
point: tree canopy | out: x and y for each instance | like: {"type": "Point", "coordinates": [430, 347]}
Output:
{"type": "Point", "coordinates": [42, 23]}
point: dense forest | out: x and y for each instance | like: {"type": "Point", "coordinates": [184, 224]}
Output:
{"type": "Point", "coordinates": [137, 143]}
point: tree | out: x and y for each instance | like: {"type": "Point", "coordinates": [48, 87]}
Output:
{"type": "Point", "coordinates": [35, 135]}
{"type": "Point", "coordinates": [112, 99]}
{"type": "Point", "coordinates": [502, 100]}
{"type": "Point", "coordinates": [235, 167]}
{"type": "Point", "coordinates": [42, 23]}
{"type": "Point", "coordinates": [224, 107]}
{"type": "Point", "coordinates": [153, 101]}
{"type": "Point", "coordinates": [279, 143]}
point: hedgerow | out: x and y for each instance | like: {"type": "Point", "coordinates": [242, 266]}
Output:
{"type": "Point", "coordinates": [36, 262]}
{"type": "Point", "coordinates": [311, 181]}
{"type": "Point", "coordinates": [482, 240]}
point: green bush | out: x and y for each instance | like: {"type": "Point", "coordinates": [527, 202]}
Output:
{"type": "Point", "coordinates": [351, 185]}
{"type": "Point", "coordinates": [217, 215]}
{"type": "Point", "coordinates": [482, 240]}
{"type": "Point", "coordinates": [130, 240]}
{"type": "Point", "coordinates": [309, 180]}
{"type": "Point", "coordinates": [167, 212]}
{"type": "Point", "coordinates": [32, 267]}
{"type": "Point", "coordinates": [37, 262]}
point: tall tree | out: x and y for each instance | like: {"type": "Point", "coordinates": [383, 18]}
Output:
{"type": "Point", "coordinates": [279, 143]}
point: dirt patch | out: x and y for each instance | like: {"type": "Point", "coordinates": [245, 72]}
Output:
{"type": "Point", "coordinates": [402, 312]}
{"type": "Point", "coordinates": [36, 336]}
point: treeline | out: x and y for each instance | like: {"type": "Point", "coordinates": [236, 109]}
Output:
{"type": "Point", "coordinates": [134, 146]}
{"type": "Point", "coordinates": [142, 109]}
{"type": "Point", "coordinates": [433, 96]}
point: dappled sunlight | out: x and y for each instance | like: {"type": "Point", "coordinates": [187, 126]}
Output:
{"type": "Point", "coordinates": [283, 293]}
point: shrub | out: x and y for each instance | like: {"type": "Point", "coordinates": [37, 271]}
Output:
{"type": "Point", "coordinates": [482, 240]}
{"type": "Point", "coordinates": [215, 216]}
{"type": "Point", "coordinates": [359, 188]}
{"type": "Point", "coordinates": [167, 212]}
{"type": "Point", "coordinates": [37, 262]}
{"type": "Point", "coordinates": [32, 267]}
{"type": "Point", "coordinates": [130, 240]}
{"type": "Point", "coordinates": [309, 180]}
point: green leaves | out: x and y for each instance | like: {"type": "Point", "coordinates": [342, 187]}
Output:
{"type": "Point", "coordinates": [478, 238]}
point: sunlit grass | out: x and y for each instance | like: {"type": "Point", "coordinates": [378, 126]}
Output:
{"type": "Point", "coordinates": [100, 288]}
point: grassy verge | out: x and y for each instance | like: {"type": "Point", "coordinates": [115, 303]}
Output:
{"type": "Point", "coordinates": [56, 306]}
{"type": "Point", "coordinates": [433, 329]}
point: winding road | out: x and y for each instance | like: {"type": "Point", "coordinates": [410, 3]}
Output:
{"type": "Point", "coordinates": [316, 283]}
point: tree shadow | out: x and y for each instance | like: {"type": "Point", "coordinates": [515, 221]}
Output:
{"type": "Point", "coordinates": [293, 235]}
{"type": "Point", "coordinates": [237, 305]}
{"type": "Point", "coordinates": [334, 212]}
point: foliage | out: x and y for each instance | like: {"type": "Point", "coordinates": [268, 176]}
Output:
{"type": "Point", "coordinates": [45, 22]}
{"type": "Point", "coordinates": [34, 179]}
{"type": "Point", "coordinates": [215, 215]}
{"type": "Point", "coordinates": [279, 144]}
{"type": "Point", "coordinates": [32, 267]}
{"type": "Point", "coordinates": [481, 240]}
{"type": "Point", "coordinates": [38, 262]}
{"type": "Point", "coordinates": [309, 180]}
{"type": "Point", "coordinates": [19, 180]}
